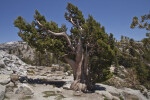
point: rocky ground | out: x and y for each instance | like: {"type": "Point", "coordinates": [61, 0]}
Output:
{"type": "Point", "coordinates": [51, 83]}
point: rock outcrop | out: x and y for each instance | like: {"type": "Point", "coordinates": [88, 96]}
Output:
{"type": "Point", "coordinates": [19, 48]}
{"type": "Point", "coordinates": [10, 64]}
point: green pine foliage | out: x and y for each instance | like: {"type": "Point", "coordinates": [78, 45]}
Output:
{"type": "Point", "coordinates": [143, 23]}
{"type": "Point", "coordinates": [36, 37]}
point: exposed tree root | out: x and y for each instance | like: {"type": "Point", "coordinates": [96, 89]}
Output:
{"type": "Point", "coordinates": [77, 86]}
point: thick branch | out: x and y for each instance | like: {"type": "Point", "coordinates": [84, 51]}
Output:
{"type": "Point", "coordinates": [70, 62]}
{"type": "Point", "coordinates": [79, 59]}
{"type": "Point", "coordinates": [86, 63]}
{"type": "Point", "coordinates": [58, 34]}
{"type": "Point", "coordinates": [79, 50]}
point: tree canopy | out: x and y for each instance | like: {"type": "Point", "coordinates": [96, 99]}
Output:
{"type": "Point", "coordinates": [88, 49]}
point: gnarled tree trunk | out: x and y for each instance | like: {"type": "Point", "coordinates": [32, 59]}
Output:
{"type": "Point", "coordinates": [80, 69]}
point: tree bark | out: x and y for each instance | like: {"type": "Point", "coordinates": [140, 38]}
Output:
{"type": "Point", "coordinates": [80, 81]}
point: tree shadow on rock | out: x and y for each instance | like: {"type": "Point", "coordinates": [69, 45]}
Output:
{"type": "Point", "coordinates": [99, 87]}
{"type": "Point", "coordinates": [57, 83]}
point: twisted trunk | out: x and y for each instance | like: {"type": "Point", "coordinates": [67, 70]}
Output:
{"type": "Point", "coordinates": [80, 69]}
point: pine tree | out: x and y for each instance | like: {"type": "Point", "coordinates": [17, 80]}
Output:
{"type": "Point", "coordinates": [122, 38]}
{"type": "Point", "coordinates": [88, 49]}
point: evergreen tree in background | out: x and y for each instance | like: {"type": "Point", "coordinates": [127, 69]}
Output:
{"type": "Point", "coordinates": [135, 55]}
{"type": "Point", "coordinates": [88, 49]}
{"type": "Point", "coordinates": [144, 23]}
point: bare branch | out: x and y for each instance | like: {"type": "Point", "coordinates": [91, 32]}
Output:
{"type": "Point", "coordinates": [73, 23]}
{"type": "Point", "coordinates": [86, 61]}
{"type": "Point", "coordinates": [58, 34]}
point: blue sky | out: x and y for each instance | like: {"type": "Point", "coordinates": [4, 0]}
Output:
{"type": "Point", "coordinates": [115, 15]}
